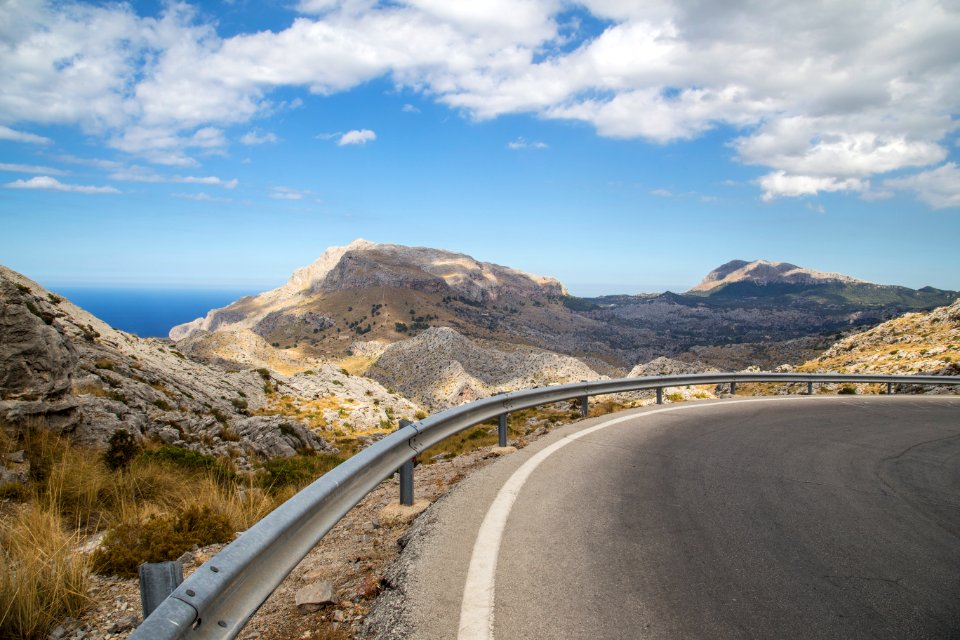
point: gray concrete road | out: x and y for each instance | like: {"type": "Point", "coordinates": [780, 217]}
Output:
{"type": "Point", "coordinates": [790, 518]}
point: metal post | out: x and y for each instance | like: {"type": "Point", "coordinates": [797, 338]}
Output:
{"type": "Point", "coordinates": [733, 388]}
{"type": "Point", "coordinates": [502, 431]}
{"type": "Point", "coordinates": [659, 395]}
{"type": "Point", "coordinates": [157, 581]}
{"type": "Point", "coordinates": [889, 388]}
{"type": "Point", "coordinates": [585, 406]}
{"type": "Point", "coordinates": [810, 388]}
{"type": "Point", "coordinates": [406, 476]}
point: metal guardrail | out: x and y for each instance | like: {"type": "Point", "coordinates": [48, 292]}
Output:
{"type": "Point", "coordinates": [220, 597]}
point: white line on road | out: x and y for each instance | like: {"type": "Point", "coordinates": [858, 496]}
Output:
{"type": "Point", "coordinates": [476, 609]}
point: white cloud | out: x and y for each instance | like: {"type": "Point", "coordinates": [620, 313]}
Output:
{"type": "Point", "coordinates": [939, 188]}
{"type": "Point", "coordinates": [200, 197]}
{"type": "Point", "coordinates": [781, 184]}
{"type": "Point", "coordinates": [828, 96]}
{"type": "Point", "coordinates": [286, 193]}
{"type": "Point", "coordinates": [662, 193]}
{"type": "Point", "coordinates": [254, 137]}
{"type": "Point", "coordinates": [137, 173]}
{"type": "Point", "coordinates": [52, 184]}
{"type": "Point", "coordinates": [357, 136]}
{"type": "Point", "coordinates": [6, 133]}
{"type": "Point", "coordinates": [409, 108]}
{"type": "Point", "coordinates": [522, 143]}
{"type": "Point", "coordinates": [30, 168]}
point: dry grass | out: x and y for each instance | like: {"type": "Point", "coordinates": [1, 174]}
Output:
{"type": "Point", "coordinates": [42, 580]}
{"type": "Point", "coordinates": [356, 365]}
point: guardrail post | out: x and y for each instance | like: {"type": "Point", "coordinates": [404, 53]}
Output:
{"type": "Point", "coordinates": [406, 476]}
{"type": "Point", "coordinates": [502, 430]}
{"type": "Point", "coordinates": [809, 388]}
{"type": "Point", "coordinates": [659, 395]}
{"type": "Point", "coordinates": [585, 406]}
{"type": "Point", "coordinates": [733, 388]}
{"type": "Point", "coordinates": [157, 581]}
{"type": "Point", "coordinates": [889, 388]}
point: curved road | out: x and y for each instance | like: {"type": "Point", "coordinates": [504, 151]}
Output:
{"type": "Point", "coordinates": [834, 517]}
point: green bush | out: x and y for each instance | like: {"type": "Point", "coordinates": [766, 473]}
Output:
{"type": "Point", "coordinates": [160, 538]}
{"type": "Point", "coordinates": [190, 460]}
{"type": "Point", "coordinates": [297, 472]}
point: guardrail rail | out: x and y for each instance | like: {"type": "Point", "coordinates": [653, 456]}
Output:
{"type": "Point", "coordinates": [221, 596]}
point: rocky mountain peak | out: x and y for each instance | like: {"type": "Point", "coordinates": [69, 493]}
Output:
{"type": "Point", "coordinates": [767, 272]}
{"type": "Point", "coordinates": [370, 265]}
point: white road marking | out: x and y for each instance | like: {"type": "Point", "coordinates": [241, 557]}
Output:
{"type": "Point", "coordinates": [476, 609]}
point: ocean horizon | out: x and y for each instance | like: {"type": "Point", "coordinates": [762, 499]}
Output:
{"type": "Point", "coordinates": [148, 312]}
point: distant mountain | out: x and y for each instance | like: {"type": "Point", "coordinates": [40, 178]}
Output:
{"type": "Point", "coordinates": [764, 272]}
{"type": "Point", "coordinates": [356, 301]}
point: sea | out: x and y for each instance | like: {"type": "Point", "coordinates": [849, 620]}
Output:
{"type": "Point", "coordinates": [148, 312]}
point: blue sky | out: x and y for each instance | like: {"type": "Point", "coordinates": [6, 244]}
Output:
{"type": "Point", "coordinates": [618, 146]}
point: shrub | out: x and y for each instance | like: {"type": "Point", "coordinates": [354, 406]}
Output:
{"type": "Point", "coordinates": [296, 472]}
{"type": "Point", "coordinates": [191, 460]}
{"type": "Point", "coordinates": [159, 538]}
{"type": "Point", "coordinates": [121, 449]}
{"type": "Point", "coordinates": [41, 579]}
{"type": "Point", "coordinates": [848, 389]}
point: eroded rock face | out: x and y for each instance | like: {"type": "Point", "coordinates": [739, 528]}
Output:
{"type": "Point", "coordinates": [37, 358]}
{"type": "Point", "coordinates": [67, 371]}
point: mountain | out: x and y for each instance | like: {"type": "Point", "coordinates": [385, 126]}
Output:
{"type": "Point", "coordinates": [764, 272]}
{"type": "Point", "coordinates": [356, 301]}
{"type": "Point", "coordinates": [365, 296]}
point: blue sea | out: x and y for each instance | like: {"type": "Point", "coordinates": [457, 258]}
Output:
{"type": "Point", "coordinates": [148, 312]}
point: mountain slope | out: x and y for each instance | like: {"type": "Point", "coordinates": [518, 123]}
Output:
{"type": "Point", "coordinates": [913, 343]}
{"type": "Point", "coordinates": [65, 369]}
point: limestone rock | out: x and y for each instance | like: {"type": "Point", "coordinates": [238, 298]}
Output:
{"type": "Point", "coordinates": [271, 436]}
{"type": "Point", "coordinates": [314, 597]}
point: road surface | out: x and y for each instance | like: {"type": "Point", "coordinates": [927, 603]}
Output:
{"type": "Point", "coordinates": [833, 517]}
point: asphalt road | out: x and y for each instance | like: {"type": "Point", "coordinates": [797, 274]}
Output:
{"type": "Point", "coordinates": [791, 518]}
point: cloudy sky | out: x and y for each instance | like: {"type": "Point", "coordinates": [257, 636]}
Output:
{"type": "Point", "coordinates": [619, 145]}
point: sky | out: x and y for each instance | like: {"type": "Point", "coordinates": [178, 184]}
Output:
{"type": "Point", "coordinates": [620, 146]}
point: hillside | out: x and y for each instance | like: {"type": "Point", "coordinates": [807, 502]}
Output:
{"type": "Point", "coordinates": [913, 343]}
{"type": "Point", "coordinates": [68, 370]}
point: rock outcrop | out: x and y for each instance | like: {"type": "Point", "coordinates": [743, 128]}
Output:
{"type": "Point", "coordinates": [66, 370]}
{"type": "Point", "coordinates": [441, 368]}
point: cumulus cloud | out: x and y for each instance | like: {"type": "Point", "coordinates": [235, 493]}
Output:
{"type": "Point", "coordinates": [781, 184]}
{"type": "Point", "coordinates": [822, 98]}
{"type": "Point", "coordinates": [357, 136]}
{"type": "Point", "coordinates": [6, 133]}
{"type": "Point", "coordinates": [939, 188]}
{"type": "Point", "coordinates": [137, 173]}
{"type": "Point", "coordinates": [30, 168]}
{"type": "Point", "coordinates": [522, 143]}
{"type": "Point", "coordinates": [52, 184]}
{"type": "Point", "coordinates": [409, 108]}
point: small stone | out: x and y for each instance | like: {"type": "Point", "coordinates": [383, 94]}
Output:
{"type": "Point", "coordinates": [125, 623]}
{"type": "Point", "coordinates": [315, 596]}
{"type": "Point", "coordinates": [396, 513]}
{"type": "Point", "coordinates": [502, 451]}
{"type": "Point", "coordinates": [17, 457]}
{"type": "Point", "coordinates": [58, 632]}
{"type": "Point", "coordinates": [338, 616]}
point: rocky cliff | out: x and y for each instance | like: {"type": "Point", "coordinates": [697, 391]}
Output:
{"type": "Point", "coordinates": [68, 371]}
